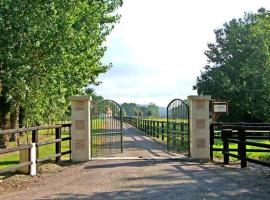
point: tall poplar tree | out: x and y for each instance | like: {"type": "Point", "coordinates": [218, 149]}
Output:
{"type": "Point", "coordinates": [50, 50]}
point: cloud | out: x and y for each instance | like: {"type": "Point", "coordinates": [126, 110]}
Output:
{"type": "Point", "coordinates": [157, 49]}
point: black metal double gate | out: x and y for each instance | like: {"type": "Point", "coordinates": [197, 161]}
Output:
{"type": "Point", "coordinates": [106, 128]}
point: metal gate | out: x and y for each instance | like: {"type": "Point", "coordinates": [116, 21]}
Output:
{"type": "Point", "coordinates": [106, 128]}
{"type": "Point", "coordinates": [178, 127]}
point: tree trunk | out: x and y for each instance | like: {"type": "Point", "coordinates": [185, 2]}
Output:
{"type": "Point", "coordinates": [14, 122]}
{"type": "Point", "coordinates": [4, 120]}
{"type": "Point", "coordinates": [4, 123]}
{"type": "Point", "coordinates": [22, 122]}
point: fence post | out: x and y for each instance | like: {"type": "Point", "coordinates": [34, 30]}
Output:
{"type": "Point", "coordinates": [162, 130]}
{"type": "Point", "coordinates": [35, 141]}
{"type": "Point", "coordinates": [212, 140]}
{"type": "Point", "coordinates": [34, 136]}
{"type": "Point", "coordinates": [182, 134]}
{"type": "Point", "coordinates": [58, 145]}
{"type": "Point", "coordinates": [174, 134]}
{"type": "Point", "coordinates": [154, 129]}
{"type": "Point", "coordinates": [225, 134]}
{"type": "Point", "coordinates": [33, 159]}
{"type": "Point", "coordinates": [242, 146]}
{"type": "Point", "coordinates": [157, 129]}
{"type": "Point", "coordinates": [151, 128]}
{"type": "Point", "coordinates": [70, 145]}
{"type": "Point", "coordinates": [148, 127]}
{"type": "Point", "coordinates": [30, 155]}
{"type": "Point", "coordinates": [144, 126]}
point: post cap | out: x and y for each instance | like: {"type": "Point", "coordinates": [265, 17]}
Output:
{"type": "Point", "coordinates": [199, 97]}
{"type": "Point", "coordinates": [80, 98]}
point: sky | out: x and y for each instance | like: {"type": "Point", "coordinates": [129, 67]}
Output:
{"type": "Point", "coordinates": [157, 48]}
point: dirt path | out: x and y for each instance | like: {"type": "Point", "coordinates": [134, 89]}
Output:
{"type": "Point", "coordinates": [149, 179]}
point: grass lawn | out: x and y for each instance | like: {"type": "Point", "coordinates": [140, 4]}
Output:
{"type": "Point", "coordinates": [11, 159]}
{"type": "Point", "coordinates": [177, 120]}
{"type": "Point", "coordinates": [253, 155]}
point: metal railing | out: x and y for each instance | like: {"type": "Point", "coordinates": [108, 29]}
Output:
{"type": "Point", "coordinates": [152, 128]}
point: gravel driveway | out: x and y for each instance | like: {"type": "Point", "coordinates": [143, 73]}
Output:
{"type": "Point", "coordinates": [136, 144]}
{"type": "Point", "coordinates": [149, 179]}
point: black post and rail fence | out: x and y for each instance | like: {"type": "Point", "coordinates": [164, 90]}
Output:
{"type": "Point", "coordinates": [245, 137]}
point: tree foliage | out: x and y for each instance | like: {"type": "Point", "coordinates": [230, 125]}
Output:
{"type": "Point", "coordinates": [238, 67]}
{"type": "Point", "coordinates": [153, 110]}
{"type": "Point", "coordinates": [132, 109]}
{"type": "Point", "coordinates": [49, 51]}
{"type": "Point", "coordinates": [91, 92]}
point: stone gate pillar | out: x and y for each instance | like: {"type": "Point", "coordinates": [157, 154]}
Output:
{"type": "Point", "coordinates": [199, 127]}
{"type": "Point", "coordinates": [80, 128]}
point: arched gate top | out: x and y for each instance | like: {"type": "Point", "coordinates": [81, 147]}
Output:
{"type": "Point", "coordinates": [174, 100]}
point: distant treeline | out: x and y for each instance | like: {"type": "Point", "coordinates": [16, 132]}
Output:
{"type": "Point", "coordinates": [133, 109]}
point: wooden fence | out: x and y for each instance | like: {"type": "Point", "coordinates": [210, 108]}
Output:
{"type": "Point", "coordinates": [37, 139]}
{"type": "Point", "coordinates": [244, 135]}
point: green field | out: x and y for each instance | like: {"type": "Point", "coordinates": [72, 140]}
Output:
{"type": "Point", "coordinates": [253, 155]}
{"type": "Point", "coordinates": [178, 120]}
{"type": "Point", "coordinates": [11, 159]}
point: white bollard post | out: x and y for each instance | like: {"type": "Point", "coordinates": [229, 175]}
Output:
{"type": "Point", "coordinates": [33, 159]}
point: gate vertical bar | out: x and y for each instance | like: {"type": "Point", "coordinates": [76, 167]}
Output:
{"type": "Point", "coordinates": [121, 124]}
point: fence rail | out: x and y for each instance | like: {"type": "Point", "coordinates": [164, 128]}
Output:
{"type": "Point", "coordinates": [150, 127]}
{"type": "Point", "coordinates": [37, 139]}
{"type": "Point", "coordinates": [243, 135]}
